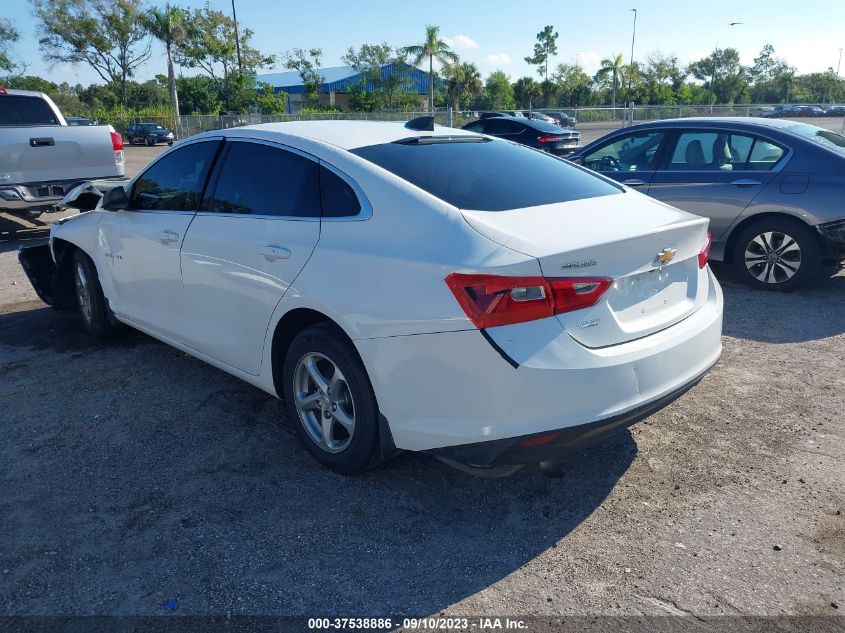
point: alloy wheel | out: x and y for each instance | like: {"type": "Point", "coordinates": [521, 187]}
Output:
{"type": "Point", "coordinates": [773, 257]}
{"type": "Point", "coordinates": [324, 402]}
{"type": "Point", "coordinates": [83, 294]}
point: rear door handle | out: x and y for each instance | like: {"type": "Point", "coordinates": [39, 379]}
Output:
{"type": "Point", "coordinates": [634, 182]}
{"type": "Point", "coordinates": [746, 182]}
{"type": "Point", "coordinates": [168, 236]}
{"type": "Point", "coordinates": [273, 252]}
{"type": "Point", "coordinates": [43, 141]}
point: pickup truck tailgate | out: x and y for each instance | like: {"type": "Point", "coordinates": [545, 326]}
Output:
{"type": "Point", "coordinates": [48, 153]}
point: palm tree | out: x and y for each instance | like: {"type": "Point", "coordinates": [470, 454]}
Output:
{"type": "Point", "coordinates": [168, 26]}
{"type": "Point", "coordinates": [613, 67]}
{"type": "Point", "coordinates": [433, 48]}
{"type": "Point", "coordinates": [463, 82]}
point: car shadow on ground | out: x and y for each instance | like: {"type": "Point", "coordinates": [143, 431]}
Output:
{"type": "Point", "coordinates": [134, 475]}
{"type": "Point", "coordinates": [813, 313]}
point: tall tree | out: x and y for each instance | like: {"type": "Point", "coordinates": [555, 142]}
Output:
{"type": "Point", "coordinates": [611, 68]}
{"type": "Point", "coordinates": [168, 26]}
{"type": "Point", "coordinates": [307, 64]}
{"type": "Point", "coordinates": [211, 46]}
{"type": "Point", "coordinates": [432, 48]}
{"type": "Point", "coordinates": [498, 92]}
{"type": "Point", "coordinates": [463, 84]}
{"type": "Point", "coordinates": [107, 35]}
{"type": "Point", "coordinates": [728, 76]}
{"type": "Point", "coordinates": [545, 47]}
{"type": "Point", "coordinates": [8, 35]}
{"type": "Point", "coordinates": [370, 60]}
{"type": "Point", "coordinates": [526, 91]}
{"type": "Point", "coordinates": [573, 85]}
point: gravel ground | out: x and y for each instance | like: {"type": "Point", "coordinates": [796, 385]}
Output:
{"type": "Point", "coordinates": [133, 476]}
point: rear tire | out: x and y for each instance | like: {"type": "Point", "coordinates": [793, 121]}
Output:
{"type": "Point", "coordinates": [776, 253]}
{"type": "Point", "coordinates": [330, 400]}
{"type": "Point", "coordinates": [89, 297]}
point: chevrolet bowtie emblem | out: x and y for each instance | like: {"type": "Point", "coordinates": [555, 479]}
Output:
{"type": "Point", "coordinates": [665, 256]}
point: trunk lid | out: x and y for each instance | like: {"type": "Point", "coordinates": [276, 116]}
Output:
{"type": "Point", "coordinates": [618, 236]}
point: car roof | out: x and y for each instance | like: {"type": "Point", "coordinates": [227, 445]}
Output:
{"type": "Point", "coordinates": [715, 121]}
{"type": "Point", "coordinates": [344, 134]}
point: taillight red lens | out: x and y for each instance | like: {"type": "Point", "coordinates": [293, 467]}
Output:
{"type": "Point", "coordinates": [493, 300]}
{"type": "Point", "coordinates": [549, 139]}
{"type": "Point", "coordinates": [704, 255]}
{"type": "Point", "coordinates": [116, 141]}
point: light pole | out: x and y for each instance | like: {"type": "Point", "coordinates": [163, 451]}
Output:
{"type": "Point", "coordinates": [237, 39]}
{"type": "Point", "coordinates": [839, 63]}
{"type": "Point", "coordinates": [713, 74]}
{"type": "Point", "coordinates": [631, 66]}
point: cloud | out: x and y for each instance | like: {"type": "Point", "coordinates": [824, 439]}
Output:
{"type": "Point", "coordinates": [461, 42]}
{"type": "Point", "coordinates": [498, 59]}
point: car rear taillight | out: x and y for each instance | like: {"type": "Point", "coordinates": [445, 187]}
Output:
{"type": "Point", "coordinates": [3, 91]}
{"type": "Point", "coordinates": [704, 255]}
{"type": "Point", "coordinates": [493, 300]}
{"type": "Point", "coordinates": [550, 139]}
{"type": "Point", "coordinates": [117, 146]}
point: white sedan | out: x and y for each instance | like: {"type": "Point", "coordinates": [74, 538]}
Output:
{"type": "Point", "coordinates": [401, 287]}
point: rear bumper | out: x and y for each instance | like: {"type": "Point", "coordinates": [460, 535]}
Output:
{"type": "Point", "coordinates": [455, 389]}
{"type": "Point", "coordinates": [548, 445]}
{"type": "Point", "coordinates": [38, 196]}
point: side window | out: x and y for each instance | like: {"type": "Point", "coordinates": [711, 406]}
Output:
{"type": "Point", "coordinates": [711, 151]}
{"type": "Point", "coordinates": [502, 126]}
{"type": "Point", "coordinates": [337, 197]}
{"type": "Point", "coordinates": [630, 153]}
{"type": "Point", "coordinates": [260, 179]}
{"type": "Point", "coordinates": [764, 155]}
{"type": "Point", "coordinates": [175, 182]}
{"type": "Point", "coordinates": [476, 126]}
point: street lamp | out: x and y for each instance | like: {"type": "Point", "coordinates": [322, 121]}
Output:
{"type": "Point", "coordinates": [631, 66]}
{"type": "Point", "coordinates": [839, 63]}
{"type": "Point", "coordinates": [713, 74]}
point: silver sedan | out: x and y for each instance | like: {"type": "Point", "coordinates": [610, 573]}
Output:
{"type": "Point", "coordinates": [773, 189]}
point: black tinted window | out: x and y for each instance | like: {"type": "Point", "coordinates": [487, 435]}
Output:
{"type": "Point", "coordinates": [337, 197]}
{"type": "Point", "coordinates": [175, 182]}
{"type": "Point", "coordinates": [21, 110]}
{"type": "Point", "coordinates": [503, 126]}
{"type": "Point", "coordinates": [487, 176]}
{"type": "Point", "coordinates": [264, 180]}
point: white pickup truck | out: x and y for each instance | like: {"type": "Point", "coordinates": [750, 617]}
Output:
{"type": "Point", "coordinates": [42, 157]}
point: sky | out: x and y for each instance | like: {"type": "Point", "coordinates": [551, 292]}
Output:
{"type": "Point", "coordinates": [498, 35]}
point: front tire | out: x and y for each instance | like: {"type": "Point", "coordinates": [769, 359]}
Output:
{"type": "Point", "coordinates": [89, 296]}
{"type": "Point", "coordinates": [329, 399]}
{"type": "Point", "coordinates": [777, 253]}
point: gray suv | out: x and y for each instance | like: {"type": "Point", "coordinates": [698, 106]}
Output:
{"type": "Point", "coordinates": [773, 189]}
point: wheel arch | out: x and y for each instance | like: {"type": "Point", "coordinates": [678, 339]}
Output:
{"type": "Point", "coordinates": [292, 323]}
{"type": "Point", "coordinates": [64, 295]}
{"type": "Point", "coordinates": [738, 228]}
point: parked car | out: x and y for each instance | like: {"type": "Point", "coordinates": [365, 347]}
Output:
{"type": "Point", "coordinates": [42, 158]}
{"type": "Point", "coordinates": [492, 115]}
{"type": "Point", "coordinates": [537, 134]}
{"type": "Point", "coordinates": [779, 111]}
{"type": "Point", "coordinates": [773, 189]}
{"type": "Point", "coordinates": [401, 287]}
{"type": "Point", "coordinates": [563, 119]}
{"type": "Point", "coordinates": [539, 116]}
{"type": "Point", "coordinates": [835, 111]}
{"type": "Point", "coordinates": [149, 134]}
{"type": "Point", "coordinates": [78, 120]}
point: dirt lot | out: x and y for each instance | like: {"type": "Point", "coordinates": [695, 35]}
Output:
{"type": "Point", "coordinates": [135, 479]}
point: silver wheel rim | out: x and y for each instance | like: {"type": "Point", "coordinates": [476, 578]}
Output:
{"type": "Point", "coordinates": [324, 402]}
{"type": "Point", "coordinates": [83, 293]}
{"type": "Point", "coordinates": [773, 257]}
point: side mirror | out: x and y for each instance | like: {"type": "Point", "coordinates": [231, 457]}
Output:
{"type": "Point", "coordinates": [115, 199]}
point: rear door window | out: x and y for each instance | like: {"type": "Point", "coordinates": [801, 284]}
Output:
{"type": "Point", "coordinates": [24, 110]}
{"type": "Point", "coordinates": [711, 151]}
{"type": "Point", "coordinates": [175, 182]}
{"type": "Point", "coordinates": [503, 127]}
{"type": "Point", "coordinates": [485, 174]}
{"type": "Point", "coordinates": [764, 155]}
{"type": "Point", "coordinates": [259, 179]}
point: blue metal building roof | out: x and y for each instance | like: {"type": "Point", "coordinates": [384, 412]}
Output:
{"type": "Point", "coordinates": [342, 78]}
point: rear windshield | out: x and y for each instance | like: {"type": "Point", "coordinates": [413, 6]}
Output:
{"type": "Point", "coordinates": [487, 176]}
{"type": "Point", "coordinates": [825, 138]}
{"type": "Point", "coordinates": [545, 126]}
{"type": "Point", "coordinates": [22, 110]}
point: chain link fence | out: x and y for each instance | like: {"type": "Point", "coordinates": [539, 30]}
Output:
{"type": "Point", "coordinates": [592, 122]}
